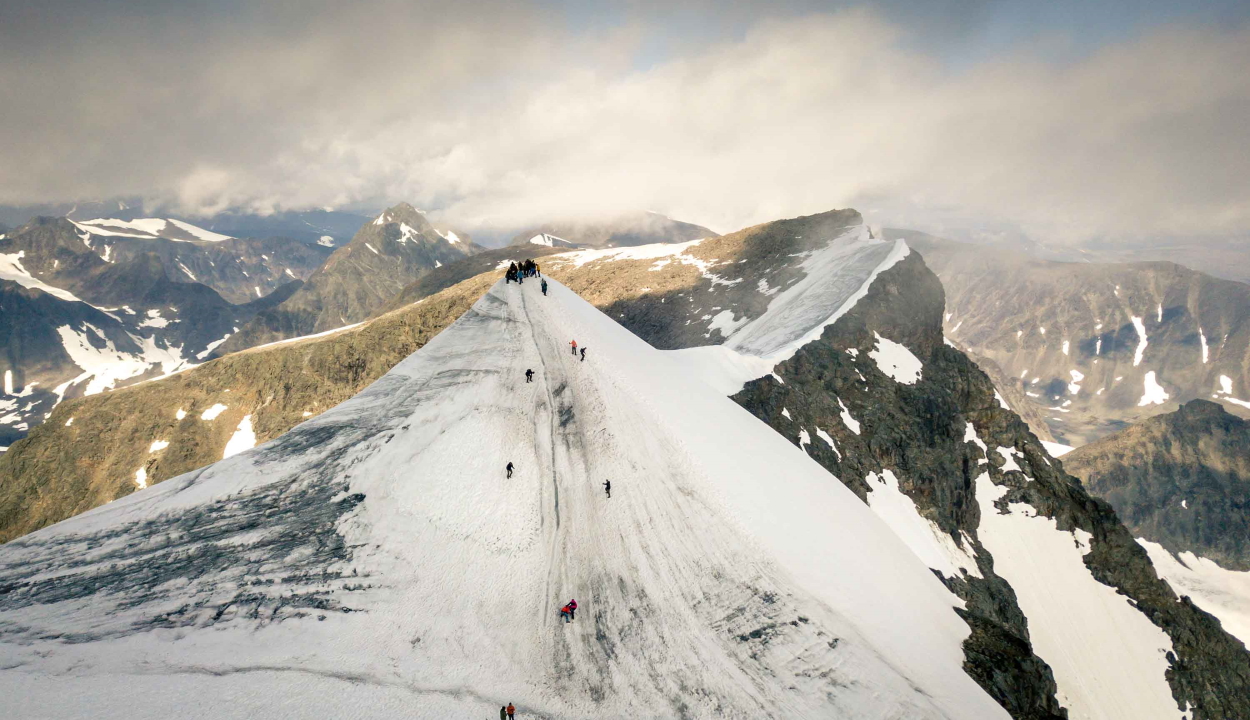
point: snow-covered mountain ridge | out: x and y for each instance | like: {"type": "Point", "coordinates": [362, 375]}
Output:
{"type": "Point", "coordinates": [916, 430]}
{"type": "Point", "coordinates": [448, 574]}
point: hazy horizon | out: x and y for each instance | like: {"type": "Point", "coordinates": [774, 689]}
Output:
{"type": "Point", "coordinates": [1071, 122]}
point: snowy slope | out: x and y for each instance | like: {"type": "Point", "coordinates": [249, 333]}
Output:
{"type": "Point", "coordinates": [375, 561]}
{"type": "Point", "coordinates": [837, 276]}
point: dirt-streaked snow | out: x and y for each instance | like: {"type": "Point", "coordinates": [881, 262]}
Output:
{"type": "Point", "coordinates": [707, 588]}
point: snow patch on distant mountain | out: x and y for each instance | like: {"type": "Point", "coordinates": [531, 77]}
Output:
{"type": "Point", "coordinates": [1154, 392]}
{"type": "Point", "coordinates": [11, 269]}
{"type": "Point", "coordinates": [149, 228]}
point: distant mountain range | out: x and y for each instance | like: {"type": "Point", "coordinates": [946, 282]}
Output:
{"type": "Point", "coordinates": [75, 323]}
{"type": "Point", "coordinates": [1096, 346]}
{"type": "Point", "coordinates": [641, 228]}
{"type": "Point", "coordinates": [328, 228]}
{"type": "Point", "coordinates": [386, 254]}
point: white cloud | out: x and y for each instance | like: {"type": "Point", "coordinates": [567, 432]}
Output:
{"type": "Point", "coordinates": [513, 118]}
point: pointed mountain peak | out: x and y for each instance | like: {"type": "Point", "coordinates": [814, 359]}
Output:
{"type": "Point", "coordinates": [403, 213]}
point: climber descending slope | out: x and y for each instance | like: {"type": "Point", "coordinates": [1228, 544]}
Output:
{"type": "Point", "coordinates": [374, 562]}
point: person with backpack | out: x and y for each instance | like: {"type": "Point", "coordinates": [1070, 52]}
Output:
{"type": "Point", "coordinates": [508, 467]}
{"type": "Point", "coordinates": [607, 488]}
{"type": "Point", "coordinates": [583, 353]}
{"type": "Point", "coordinates": [511, 711]}
{"type": "Point", "coordinates": [503, 713]}
{"type": "Point", "coordinates": [572, 609]}
{"type": "Point", "coordinates": [566, 612]}
{"type": "Point", "coordinates": [573, 344]}
{"type": "Point", "coordinates": [529, 376]}
{"type": "Point", "coordinates": [544, 286]}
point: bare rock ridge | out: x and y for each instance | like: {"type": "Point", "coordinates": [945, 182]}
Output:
{"type": "Point", "coordinates": [386, 254]}
{"type": "Point", "coordinates": [918, 432]}
{"type": "Point", "coordinates": [1181, 479]}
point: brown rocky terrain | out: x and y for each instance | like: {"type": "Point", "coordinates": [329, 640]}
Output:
{"type": "Point", "coordinates": [1096, 346]}
{"type": "Point", "coordinates": [1181, 479]}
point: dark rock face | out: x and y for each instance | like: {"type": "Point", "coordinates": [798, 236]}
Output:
{"type": "Point", "coordinates": [1181, 480]}
{"type": "Point", "coordinates": [917, 432]}
{"type": "Point", "coordinates": [1040, 321]}
{"type": "Point", "coordinates": [386, 255]}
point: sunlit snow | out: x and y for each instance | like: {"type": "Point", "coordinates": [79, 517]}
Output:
{"type": "Point", "coordinates": [896, 361]}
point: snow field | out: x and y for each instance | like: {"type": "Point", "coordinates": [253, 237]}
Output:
{"type": "Point", "coordinates": [1108, 658]}
{"type": "Point", "coordinates": [1223, 593]}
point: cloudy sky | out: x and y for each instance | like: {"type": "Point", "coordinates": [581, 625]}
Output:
{"type": "Point", "coordinates": [1065, 120]}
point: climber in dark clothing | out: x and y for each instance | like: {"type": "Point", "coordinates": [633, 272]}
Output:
{"type": "Point", "coordinates": [509, 468]}
{"type": "Point", "coordinates": [583, 353]}
{"type": "Point", "coordinates": [607, 487]}
{"type": "Point", "coordinates": [544, 286]}
{"type": "Point", "coordinates": [503, 713]}
{"type": "Point", "coordinates": [529, 376]}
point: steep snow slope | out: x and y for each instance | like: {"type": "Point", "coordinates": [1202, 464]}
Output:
{"type": "Point", "coordinates": [836, 277]}
{"type": "Point", "coordinates": [375, 560]}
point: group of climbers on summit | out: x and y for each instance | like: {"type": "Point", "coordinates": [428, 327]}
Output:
{"type": "Point", "coordinates": [527, 268]}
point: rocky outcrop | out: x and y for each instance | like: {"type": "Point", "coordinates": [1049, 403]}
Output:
{"type": "Point", "coordinates": [917, 431]}
{"type": "Point", "coordinates": [387, 254]}
{"type": "Point", "coordinates": [1181, 480]}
